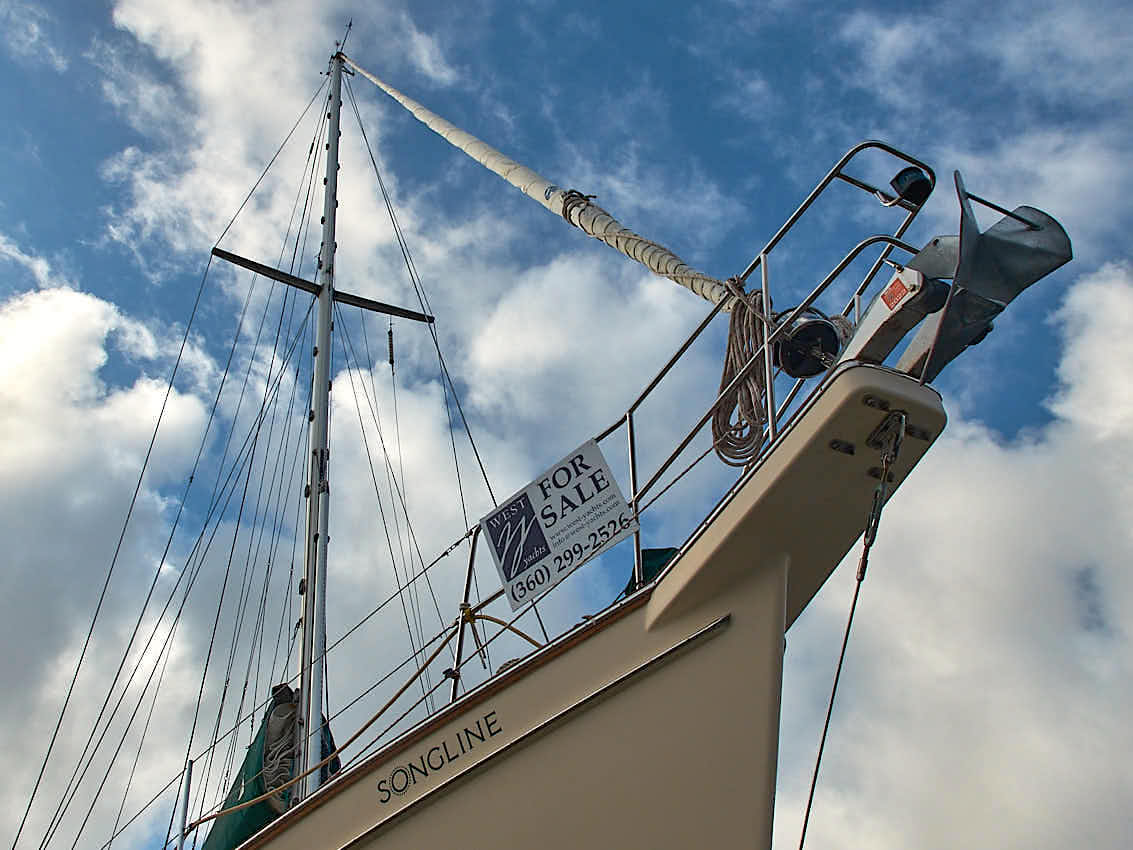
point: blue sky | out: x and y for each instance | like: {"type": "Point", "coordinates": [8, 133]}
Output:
{"type": "Point", "coordinates": [986, 688]}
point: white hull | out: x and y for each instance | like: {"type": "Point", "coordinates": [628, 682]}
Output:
{"type": "Point", "coordinates": [656, 724]}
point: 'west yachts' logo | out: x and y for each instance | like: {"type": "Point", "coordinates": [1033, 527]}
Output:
{"type": "Point", "coordinates": [516, 537]}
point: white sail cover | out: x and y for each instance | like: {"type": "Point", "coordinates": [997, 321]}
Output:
{"type": "Point", "coordinates": [576, 208]}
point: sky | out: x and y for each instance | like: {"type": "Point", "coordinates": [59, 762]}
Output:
{"type": "Point", "coordinates": [984, 697]}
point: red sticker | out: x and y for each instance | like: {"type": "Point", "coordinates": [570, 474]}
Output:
{"type": "Point", "coordinates": [894, 292]}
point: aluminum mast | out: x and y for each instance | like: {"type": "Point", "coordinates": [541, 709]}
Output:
{"type": "Point", "coordinates": [309, 722]}
{"type": "Point", "coordinates": [312, 647]}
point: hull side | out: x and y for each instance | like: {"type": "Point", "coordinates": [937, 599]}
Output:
{"type": "Point", "coordinates": [656, 724]}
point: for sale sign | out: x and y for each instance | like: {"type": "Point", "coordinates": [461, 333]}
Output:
{"type": "Point", "coordinates": [558, 522]}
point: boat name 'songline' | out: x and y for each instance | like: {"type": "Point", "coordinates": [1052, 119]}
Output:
{"type": "Point", "coordinates": [437, 757]}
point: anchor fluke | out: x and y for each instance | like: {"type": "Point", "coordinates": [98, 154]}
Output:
{"type": "Point", "coordinates": [990, 270]}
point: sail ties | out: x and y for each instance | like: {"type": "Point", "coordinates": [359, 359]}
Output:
{"type": "Point", "coordinates": [574, 200]}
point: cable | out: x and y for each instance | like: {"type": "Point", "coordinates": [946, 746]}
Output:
{"type": "Point", "coordinates": [891, 437]}
{"type": "Point", "coordinates": [114, 559]}
{"type": "Point", "coordinates": [271, 161]}
{"type": "Point", "coordinates": [400, 494]}
{"type": "Point", "coordinates": [418, 287]}
{"type": "Point", "coordinates": [118, 749]}
{"type": "Point", "coordinates": [380, 607]}
{"type": "Point", "coordinates": [141, 743]}
{"type": "Point", "coordinates": [381, 509]}
{"type": "Point", "coordinates": [391, 476]}
{"type": "Point", "coordinates": [423, 299]}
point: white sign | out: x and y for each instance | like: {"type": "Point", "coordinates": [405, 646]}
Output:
{"type": "Point", "coordinates": [558, 522]}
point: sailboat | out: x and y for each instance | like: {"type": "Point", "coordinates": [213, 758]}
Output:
{"type": "Point", "coordinates": [655, 721]}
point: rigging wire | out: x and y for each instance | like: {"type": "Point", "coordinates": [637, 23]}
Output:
{"type": "Point", "coordinates": [400, 494]}
{"type": "Point", "coordinates": [143, 810]}
{"type": "Point", "coordinates": [415, 279]}
{"type": "Point", "coordinates": [385, 677]}
{"type": "Point", "coordinates": [69, 795]}
{"type": "Point", "coordinates": [273, 551]}
{"type": "Point", "coordinates": [66, 801]}
{"type": "Point", "coordinates": [141, 742]}
{"type": "Point", "coordinates": [149, 642]}
{"type": "Point", "coordinates": [890, 448]}
{"type": "Point", "coordinates": [506, 627]}
{"type": "Point", "coordinates": [217, 811]}
{"type": "Point", "coordinates": [255, 537]}
{"type": "Point", "coordinates": [271, 161]}
{"type": "Point", "coordinates": [260, 519]}
{"type": "Point", "coordinates": [333, 645]}
{"type": "Point", "coordinates": [121, 744]}
{"type": "Point", "coordinates": [245, 585]}
{"type": "Point", "coordinates": [448, 633]}
{"type": "Point", "coordinates": [212, 637]}
{"type": "Point", "coordinates": [310, 168]}
{"type": "Point", "coordinates": [137, 755]}
{"type": "Point", "coordinates": [245, 597]}
{"type": "Point", "coordinates": [447, 383]}
{"type": "Point", "coordinates": [279, 477]}
{"type": "Point", "coordinates": [286, 616]}
{"type": "Point", "coordinates": [114, 559]}
{"type": "Point", "coordinates": [406, 558]}
{"type": "Point", "coordinates": [381, 511]}
{"type": "Point", "coordinates": [422, 297]}
{"type": "Point", "coordinates": [232, 478]}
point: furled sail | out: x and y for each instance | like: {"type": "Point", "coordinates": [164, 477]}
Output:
{"type": "Point", "coordinates": [268, 764]}
{"type": "Point", "coordinates": [739, 418]}
{"type": "Point", "coordinates": [571, 204]}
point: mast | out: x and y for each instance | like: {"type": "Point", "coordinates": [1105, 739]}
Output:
{"type": "Point", "coordinates": [310, 716]}
{"type": "Point", "coordinates": [313, 639]}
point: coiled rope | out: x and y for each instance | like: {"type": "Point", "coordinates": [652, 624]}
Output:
{"type": "Point", "coordinates": [740, 416]}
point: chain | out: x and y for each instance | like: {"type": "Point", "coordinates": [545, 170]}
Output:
{"type": "Point", "coordinates": [891, 437]}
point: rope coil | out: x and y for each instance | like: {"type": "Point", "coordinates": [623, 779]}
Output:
{"type": "Point", "coordinates": [740, 417]}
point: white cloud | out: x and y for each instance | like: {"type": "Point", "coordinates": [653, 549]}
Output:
{"type": "Point", "coordinates": [549, 354]}
{"type": "Point", "coordinates": [25, 35]}
{"type": "Point", "coordinates": [39, 267]}
{"type": "Point", "coordinates": [1087, 52]}
{"type": "Point", "coordinates": [70, 456]}
{"type": "Point", "coordinates": [1096, 318]}
{"type": "Point", "coordinates": [426, 54]}
{"type": "Point", "coordinates": [985, 693]}
{"type": "Point", "coordinates": [749, 95]}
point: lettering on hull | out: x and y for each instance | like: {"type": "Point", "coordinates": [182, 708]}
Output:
{"type": "Point", "coordinates": [437, 758]}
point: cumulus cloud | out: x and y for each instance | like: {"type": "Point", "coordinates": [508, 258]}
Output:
{"type": "Point", "coordinates": [71, 452]}
{"type": "Point", "coordinates": [1001, 614]}
{"type": "Point", "coordinates": [985, 690]}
